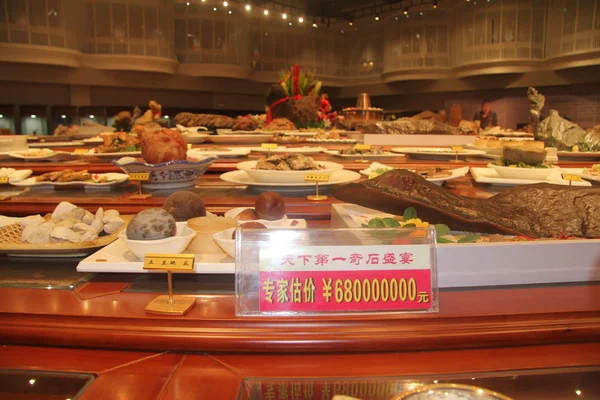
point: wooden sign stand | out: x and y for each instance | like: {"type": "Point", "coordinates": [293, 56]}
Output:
{"type": "Point", "coordinates": [316, 178]}
{"type": "Point", "coordinates": [139, 177]}
{"type": "Point", "coordinates": [170, 304]}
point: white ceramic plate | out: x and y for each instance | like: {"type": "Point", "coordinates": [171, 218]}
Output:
{"type": "Point", "coordinates": [489, 175]}
{"type": "Point", "coordinates": [579, 155]}
{"type": "Point", "coordinates": [521, 173]}
{"type": "Point", "coordinates": [116, 257]}
{"type": "Point", "coordinates": [57, 144]}
{"type": "Point", "coordinates": [435, 152]}
{"type": "Point", "coordinates": [294, 177]}
{"type": "Point", "coordinates": [366, 156]}
{"type": "Point", "coordinates": [94, 140]}
{"type": "Point", "coordinates": [300, 134]}
{"type": "Point", "coordinates": [232, 139]}
{"type": "Point", "coordinates": [316, 140]}
{"type": "Point", "coordinates": [195, 138]}
{"type": "Point", "coordinates": [50, 155]}
{"type": "Point", "coordinates": [456, 173]}
{"type": "Point", "coordinates": [337, 178]}
{"type": "Point", "coordinates": [233, 152]}
{"type": "Point", "coordinates": [285, 149]}
{"type": "Point", "coordinates": [116, 178]}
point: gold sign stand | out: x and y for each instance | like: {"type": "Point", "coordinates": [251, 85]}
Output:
{"type": "Point", "coordinates": [316, 178]}
{"type": "Point", "coordinates": [269, 147]}
{"type": "Point", "coordinates": [3, 181]}
{"type": "Point", "coordinates": [140, 177]}
{"type": "Point", "coordinates": [362, 148]}
{"type": "Point", "coordinates": [170, 304]}
{"type": "Point", "coordinates": [456, 149]}
{"type": "Point", "coordinates": [571, 178]}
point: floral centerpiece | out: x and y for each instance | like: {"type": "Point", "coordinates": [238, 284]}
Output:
{"type": "Point", "coordinates": [297, 97]}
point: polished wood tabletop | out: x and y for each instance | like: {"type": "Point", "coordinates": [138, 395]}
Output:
{"type": "Point", "coordinates": [530, 372]}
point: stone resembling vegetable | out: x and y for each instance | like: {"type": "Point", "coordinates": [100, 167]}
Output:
{"type": "Point", "coordinates": [248, 214]}
{"type": "Point", "coordinates": [270, 206]}
{"type": "Point", "coordinates": [184, 206]}
{"type": "Point", "coordinates": [151, 224]}
{"type": "Point", "coordinates": [249, 225]}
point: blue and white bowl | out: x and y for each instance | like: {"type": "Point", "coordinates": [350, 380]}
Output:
{"type": "Point", "coordinates": [168, 175]}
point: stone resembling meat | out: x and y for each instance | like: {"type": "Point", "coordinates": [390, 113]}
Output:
{"type": "Point", "coordinates": [540, 210]}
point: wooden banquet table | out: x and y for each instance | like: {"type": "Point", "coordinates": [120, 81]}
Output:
{"type": "Point", "coordinates": [96, 323]}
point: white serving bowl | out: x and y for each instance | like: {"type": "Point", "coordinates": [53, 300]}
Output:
{"type": "Point", "coordinates": [172, 245]}
{"type": "Point", "coordinates": [521, 173]}
{"type": "Point", "coordinates": [225, 241]}
{"type": "Point", "coordinates": [178, 173]}
{"type": "Point", "coordinates": [269, 176]}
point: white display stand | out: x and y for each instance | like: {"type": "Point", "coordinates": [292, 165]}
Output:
{"type": "Point", "coordinates": [507, 263]}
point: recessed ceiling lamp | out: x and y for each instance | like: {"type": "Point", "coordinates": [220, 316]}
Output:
{"type": "Point", "coordinates": [405, 10]}
{"type": "Point", "coordinates": [377, 17]}
{"type": "Point", "coordinates": [300, 19]}
{"type": "Point", "coordinates": [284, 16]}
{"type": "Point", "coordinates": [225, 4]}
{"type": "Point", "coordinates": [351, 22]}
{"type": "Point", "coordinates": [248, 7]}
{"type": "Point", "coordinates": [314, 25]}
{"type": "Point", "coordinates": [435, 3]}
{"type": "Point", "coordinates": [266, 12]}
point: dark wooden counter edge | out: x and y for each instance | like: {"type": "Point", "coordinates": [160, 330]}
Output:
{"type": "Point", "coordinates": [291, 335]}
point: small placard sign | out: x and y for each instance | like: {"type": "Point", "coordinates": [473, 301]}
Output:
{"type": "Point", "coordinates": [570, 177]}
{"type": "Point", "coordinates": [458, 149]}
{"type": "Point", "coordinates": [3, 179]}
{"type": "Point", "coordinates": [181, 262]}
{"type": "Point", "coordinates": [322, 271]}
{"type": "Point", "coordinates": [269, 146]}
{"type": "Point", "coordinates": [362, 147]}
{"type": "Point", "coordinates": [316, 178]}
{"type": "Point", "coordinates": [139, 176]}
{"type": "Point", "coordinates": [81, 151]}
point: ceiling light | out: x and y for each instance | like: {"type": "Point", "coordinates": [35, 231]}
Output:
{"type": "Point", "coordinates": [32, 381]}
{"type": "Point", "coordinates": [214, 8]}
{"type": "Point", "coordinates": [377, 17]}
{"type": "Point", "coordinates": [266, 12]}
{"type": "Point", "coordinates": [187, 3]}
{"type": "Point", "coordinates": [351, 22]}
{"type": "Point", "coordinates": [314, 25]}
{"type": "Point", "coordinates": [290, 23]}
{"type": "Point", "coordinates": [284, 16]}
{"type": "Point", "coordinates": [230, 12]}
{"type": "Point", "coordinates": [166, 117]}
{"type": "Point", "coordinates": [405, 10]}
{"type": "Point", "coordinates": [1, 115]}
{"type": "Point", "coordinates": [248, 7]}
{"type": "Point", "coordinates": [300, 19]}
{"type": "Point", "coordinates": [421, 13]}
{"type": "Point", "coordinates": [92, 116]}
{"type": "Point", "coordinates": [204, 1]}
{"type": "Point", "coordinates": [33, 116]}
{"type": "Point", "coordinates": [435, 3]}
{"type": "Point", "coordinates": [225, 4]}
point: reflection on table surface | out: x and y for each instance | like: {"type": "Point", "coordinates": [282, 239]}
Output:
{"type": "Point", "coordinates": [42, 385]}
{"type": "Point", "coordinates": [546, 384]}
